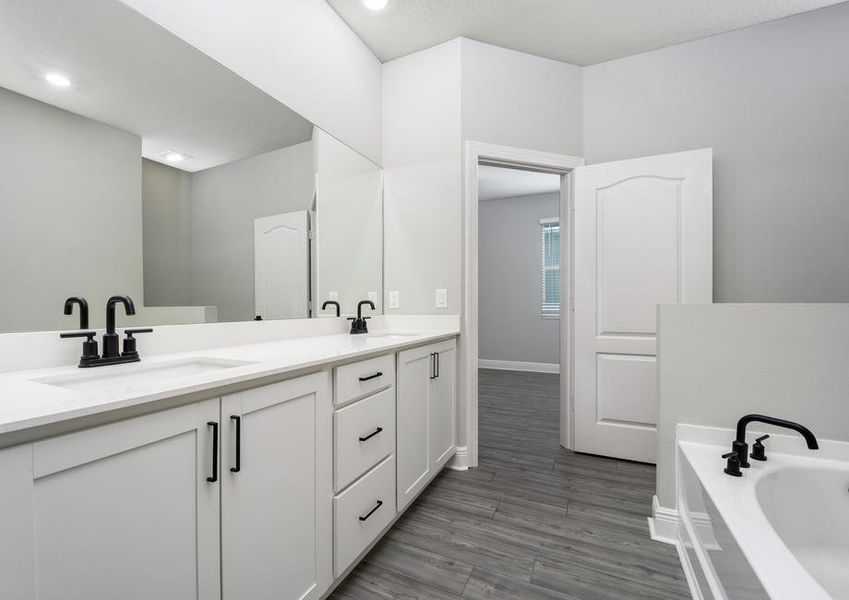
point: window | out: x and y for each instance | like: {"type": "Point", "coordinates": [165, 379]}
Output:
{"type": "Point", "coordinates": [550, 229]}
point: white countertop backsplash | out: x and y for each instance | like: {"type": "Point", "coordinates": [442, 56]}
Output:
{"type": "Point", "coordinates": [271, 347]}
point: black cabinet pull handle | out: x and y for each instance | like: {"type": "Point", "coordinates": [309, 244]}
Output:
{"type": "Point", "coordinates": [375, 376]}
{"type": "Point", "coordinates": [438, 370]}
{"type": "Point", "coordinates": [371, 512]}
{"type": "Point", "coordinates": [372, 434]}
{"type": "Point", "coordinates": [433, 365]}
{"type": "Point", "coordinates": [238, 421]}
{"type": "Point", "coordinates": [214, 477]}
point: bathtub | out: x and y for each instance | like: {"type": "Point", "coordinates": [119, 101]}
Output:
{"type": "Point", "coordinates": [779, 532]}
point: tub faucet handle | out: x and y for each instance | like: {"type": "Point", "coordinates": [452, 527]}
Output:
{"type": "Point", "coordinates": [758, 450]}
{"type": "Point", "coordinates": [732, 466]}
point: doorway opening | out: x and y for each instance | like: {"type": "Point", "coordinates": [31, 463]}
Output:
{"type": "Point", "coordinates": [519, 308]}
{"type": "Point", "coordinates": [550, 290]}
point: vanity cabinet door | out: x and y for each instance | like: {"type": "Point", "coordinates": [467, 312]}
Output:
{"type": "Point", "coordinates": [276, 497]}
{"type": "Point", "coordinates": [427, 408]}
{"type": "Point", "coordinates": [125, 510]}
{"type": "Point", "coordinates": [415, 369]}
{"type": "Point", "coordinates": [443, 404]}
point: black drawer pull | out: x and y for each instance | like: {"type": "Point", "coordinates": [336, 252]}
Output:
{"type": "Point", "coordinates": [372, 434]}
{"type": "Point", "coordinates": [238, 421]}
{"type": "Point", "coordinates": [371, 512]}
{"type": "Point", "coordinates": [375, 376]}
{"type": "Point", "coordinates": [214, 476]}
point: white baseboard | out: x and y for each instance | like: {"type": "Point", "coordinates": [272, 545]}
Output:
{"type": "Point", "coordinates": [664, 523]}
{"type": "Point", "coordinates": [461, 461]}
{"type": "Point", "coordinates": [512, 365]}
{"type": "Point", "coordinates": [665, 526]}
{"type": "Point", "coordinates": [689, 570]}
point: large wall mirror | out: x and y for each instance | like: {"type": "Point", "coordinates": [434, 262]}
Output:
{"type": "Point", "coordinates": [134, 164]}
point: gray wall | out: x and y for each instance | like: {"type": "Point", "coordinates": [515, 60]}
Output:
{"type": "Point", "coordinates": [772, 102]}
{"type": "Point", "coordinates": [70, 214]}
{"type": "Point", "coordinates": [225, 202]}
{"type": "Point", "coordinates": [510, 294]}
{"type": "Point", "coordinates": [166, 210]}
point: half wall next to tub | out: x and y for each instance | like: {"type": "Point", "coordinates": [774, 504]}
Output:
{"type": "Point", "coordinates": [718, 362]}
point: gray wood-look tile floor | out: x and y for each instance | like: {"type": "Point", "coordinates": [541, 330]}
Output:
{"type": "Point", "coordinates": [533, 521]}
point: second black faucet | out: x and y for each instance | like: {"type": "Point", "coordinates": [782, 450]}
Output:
{"type": "Point", "coordinates": [358, 324]}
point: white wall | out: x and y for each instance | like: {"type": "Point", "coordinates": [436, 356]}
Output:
{"type": "Point", "coordinates": [422, 177]}
{"type": "Point", "coordinates": [70, 214]}
{"type": "Point", "coordinates": [166, 209]}
{"type": "Point", "coordinates": [771, 101]}
{"type": "Point", "coordinates": [511, 327]}
{"type": "Point", "coordinates": [225, 202]}
{"type": "Point", "coordinates": [517, 99]}
{"type": "Point", "coordinates": [298, 51]}
{"type": "Point", "coordinates": [433, 101]}
{"type": "Point", "coordinates": [719, 362]}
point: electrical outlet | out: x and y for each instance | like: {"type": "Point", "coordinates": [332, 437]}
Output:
{"type": "Point", "coordinates": [441, 298]}
{"type": "Point", "coordinates": [394, 299]}
{"type": "Point", "coordinates": [333, 296]}
{"type": "Point", "coordinates": [372, 296]}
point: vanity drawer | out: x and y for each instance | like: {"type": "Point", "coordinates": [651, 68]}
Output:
{"type": "Point", "coordinates": [363, 378]}
{"type": "Point", "coordinates": [361, 512]}
{"type": "Point", "coordinates": [364, 435]}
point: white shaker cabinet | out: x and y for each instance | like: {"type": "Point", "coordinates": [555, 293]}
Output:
{"type": "Point", "coordinates": [122, 510]}
{"type": "Point", "coordinates": [276, 491]}
{"type": "Point", "coordinates": [426, 414]}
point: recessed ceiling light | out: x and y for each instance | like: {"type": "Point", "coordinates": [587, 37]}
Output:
{"type": "Point", "coordinates": [172, 156]}
{"type": "Point", "coordinates": [375, 4]}
{"type": "Point", "coordinates": [58, 80]}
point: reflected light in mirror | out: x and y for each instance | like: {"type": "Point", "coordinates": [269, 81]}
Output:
{"type": "Point", "coordinates": [375, 4]}
{"type": "Point", "coordinates": [58, 80]}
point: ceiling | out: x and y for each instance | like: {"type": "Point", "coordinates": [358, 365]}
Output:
{"type": "Point", "coordinates": [580, 32]}
{"type": "Point", "coordinates": [129, 72]}
{"type": "Point", "coordinates": [497, 183]}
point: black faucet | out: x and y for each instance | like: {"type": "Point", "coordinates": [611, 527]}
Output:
{"type": "Point", "coordinates": [334, 303]}
{"type": "Point", "coordinates": [359, 324]}
{"type": "Point", "coordinates": [741, 449]}
{"type": "Point", "coordinates": [83, 304]}
{"type": "Point", "coordinates": [111, 356]}
{"type": "Point", "coordinates": [110, 338]}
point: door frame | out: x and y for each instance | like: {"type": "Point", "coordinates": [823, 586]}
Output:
{"type": "Point", "coordinates": [508, 156]}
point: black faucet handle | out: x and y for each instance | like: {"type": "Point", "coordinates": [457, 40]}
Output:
{"type": "Point", "coordinates": [77, 334]}
{"type": "Point", "coordinates": [129, 348]}
{"type": "Point", "coordinates": [89, 346]}
{"type": "Point", "coordinates": [758, 450]}
{"type": "Point", "coordinates": [732, 466]}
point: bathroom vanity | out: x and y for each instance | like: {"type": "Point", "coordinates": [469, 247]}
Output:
{"type": "Point", "coordinates": [258, 471]}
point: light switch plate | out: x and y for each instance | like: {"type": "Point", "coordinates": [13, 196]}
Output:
{"type": "Point", "coordinates": [372, 296]}
{"type": "Point", "coordinates": [441, 298]}
{"type": "Point", "coordinates": [394, 299]}
{"type": "Point", "coordinates": [333, 296]}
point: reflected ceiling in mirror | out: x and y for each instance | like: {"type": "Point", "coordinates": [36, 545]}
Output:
{"type": "Point", "coordinates": [138, 165]}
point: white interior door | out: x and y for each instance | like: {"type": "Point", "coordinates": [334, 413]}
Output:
{"type": "Point", "coordinates": [281, 266]}
{"type": "Point", "coordinates": [643, 237]}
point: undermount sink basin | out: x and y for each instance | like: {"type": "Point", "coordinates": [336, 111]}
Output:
{"type": "Point", "coordinates": [101, 379]}
{"type": "Point", "coordinates": [393, 336]}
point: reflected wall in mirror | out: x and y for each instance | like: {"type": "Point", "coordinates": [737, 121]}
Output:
{"type": "Point", "coordinates": [158, 173]}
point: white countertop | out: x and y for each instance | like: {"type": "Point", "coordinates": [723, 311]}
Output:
{"type": "Point", "coordinates": [26, 403]}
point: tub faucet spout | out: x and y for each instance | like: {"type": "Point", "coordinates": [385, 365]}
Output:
{"type": "Point", "coordinates": [742, 448]}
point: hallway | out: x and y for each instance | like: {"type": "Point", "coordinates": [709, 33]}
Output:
{"type": "Point", "coordinates": [533, 521]}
